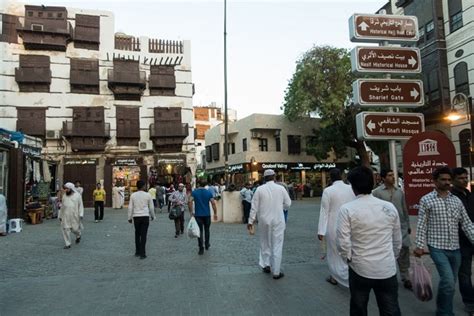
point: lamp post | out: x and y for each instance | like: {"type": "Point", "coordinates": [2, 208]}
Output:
{"type": "Point", "coordinates": [454, 115]}
{"type": "Point", "coordinates": [226, 132]}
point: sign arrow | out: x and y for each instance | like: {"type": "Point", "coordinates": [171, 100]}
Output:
{"type": "Point", "coordinates": [412, 61]}
{"type": "Point", "coordinates": [414, 93]}
{"type": "Point", "coordinates": [363, 26]}
{"type": "Point", "coordinates": [371, 125]}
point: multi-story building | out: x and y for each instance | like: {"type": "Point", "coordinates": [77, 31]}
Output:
{"type": "Point", "coordinates": [206, 117]}
{"type": "Point", "coordinates": [446, 29]}
{"type": "Point", "coordinates": [264, 141]}
{"type": "Point", "coordinates": [109, 107]}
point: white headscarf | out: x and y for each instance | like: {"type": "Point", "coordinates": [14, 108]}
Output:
{"type": "Point", "coordinates": [70, 186]}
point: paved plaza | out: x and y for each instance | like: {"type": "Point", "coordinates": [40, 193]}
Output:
{"type": "Point", "coordinates": [101, 276]}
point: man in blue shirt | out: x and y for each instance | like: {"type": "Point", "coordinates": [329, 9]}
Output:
{"type": "Point", "coordinates": [202, 212]}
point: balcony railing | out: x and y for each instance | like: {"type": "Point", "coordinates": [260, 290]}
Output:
{"type": "Point", "coordinates": [165, 46]}
{"type": "Point", "coordinates": [127, 43]}
{"type": "Point", "coordinates": [86, 129]}
{"type": "Point", "coordinates": [33, 75]}
{"type": "Point", "coordinates": [169, 130]}
{"type": "Point", "coordinates": [127, 78]}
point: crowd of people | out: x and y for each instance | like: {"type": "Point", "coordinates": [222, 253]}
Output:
{"type": "Point", "coordinates": [365, 226]}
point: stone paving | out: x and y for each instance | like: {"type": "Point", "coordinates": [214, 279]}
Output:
{"type": "Point", "coordinates": [101, 276]}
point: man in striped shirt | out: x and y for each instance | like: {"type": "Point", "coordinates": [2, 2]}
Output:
{"type": "Point", "coordinates": [439, 216]}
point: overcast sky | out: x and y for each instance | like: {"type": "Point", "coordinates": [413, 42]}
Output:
{"type": "Point", "coordinates": [265, 38]}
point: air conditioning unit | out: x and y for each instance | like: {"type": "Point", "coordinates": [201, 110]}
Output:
{"type": "Point", "coordinates": [36, 27]}
{"type": "Point", "coordinates": [145, 146]}
{"type": "Point", "coordinates": [53, 134]}
{"type": "Point", "coordinates": [256, 135]}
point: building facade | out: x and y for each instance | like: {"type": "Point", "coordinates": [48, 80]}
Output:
{"type": "Point", "coordinates": [264, 141]}
{"type": "Point", "coordinates": [109, 107]}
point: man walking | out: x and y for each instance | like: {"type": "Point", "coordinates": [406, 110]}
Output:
{"type": "Point", "coordinates": [369, 240]}
{"type": "Point", "coordinates": [389, 192]}
{"type": "Point", "coordinates": [140, 209]}
{"type": "Point", "coordinates": [71, 214]}
{"type": "Point", "coordinates": [268, 204]}
{"type": "Point", "coordinates": [246, 196]}
{"type": "Point", "coordinates": [78, 188]}
{"type": "Point", "coordinates": [201, 198]}
{"type": "Point", "coordinates": [439, 215]}
{"type": "Point", "coordinates": [178, 200]}
{"type": "Point", "coordinates": [333, 198]}
{"type": "Point", "coordinates": [99, 200]}
{"type": "Point", "coordinates": [460, 181]}
{"type": "Point", "coordinates": [160, 196]}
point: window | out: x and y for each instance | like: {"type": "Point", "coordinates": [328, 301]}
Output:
{"type": "Point", "coordinates": [215, 151]}
{"type": "Point", "coordinates": [50, 14]}
{"type": "Point", "coordinates": [30, 13]}
{"type": "Point", "coordinates": [263, 144]}
{"type": "Point", "coordinates": [40, 14]}
{"type": "Point", "coordinates": [84, 76]}
{"type": "Point", "coordinates": [162, 80]}
{"type": "Point", "coordinates": [231, 148]}
{"type": "Point", "coordinates": [421, 33]}
{"type": "Point", "coordinates": [244, 144]}
{"type": "Point", "coordinates": [455, 15]}
{"type": "Point", "coordinates": [429, 30]}
{"type": "Point", "coordinates": [208, 153]}
{"type": "Point", "coordinates": [455, 22]}
{"type": "Point", "coordinates": [31, 121]}
{"type": "Point", "coordinates": [277, 143]}
{"type": "Point", "coordinates": [60, 15]}
{"type": "Point", "coordinates": [461, 79]}
{"type": "Point", "coordinates": [294, 144]}
{"type": "Point", "coordinates": [128, 125]}
{"type": "Point", "coordinates": [8, 31]}
{"type": "Point", "coordinates": [465, 144]}
{"type": "Point", "coordinates": [434, 85]}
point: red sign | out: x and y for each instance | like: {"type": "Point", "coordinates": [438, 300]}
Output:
{"type": "Point", "coordinates": [422, 154]}
{"type": "Point", "coordinates": [386, 59]}
{"type": "Point", "coordinates": [376, 28]}
{"type": "Point", "coordinates": [389, 92]}
{"type": "Point", "coordinates": [388, 126]}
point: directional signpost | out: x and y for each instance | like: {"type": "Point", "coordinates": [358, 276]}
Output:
{"type": "Point", "coordinates": [388, 92]}
{"type": "Point", "coordinates": [385, 59]}
{"type": "Point", "coordinates": [377, 28]}
{"type": "Point", "coordinates": [383, 126]}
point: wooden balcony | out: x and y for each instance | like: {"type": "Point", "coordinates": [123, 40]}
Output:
{"type": "Point", "coordinates": [88, 143]}
{"type": "Point", "coordinates": [172, 130]}
{"type": "Point", "coordinates": [40, 75]}
{"type": "Point", "coordinates": [86, 129]}
{"type": "Point", "coordinates": [116, 77]}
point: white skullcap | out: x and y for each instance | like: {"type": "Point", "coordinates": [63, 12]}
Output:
{"type": "Point", "coordinates": [269, 172]}
{"type": "Point", "coordinates": [70, 186]}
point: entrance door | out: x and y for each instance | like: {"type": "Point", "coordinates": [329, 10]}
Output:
{"type": "Point", "coordinates": [85, 174]}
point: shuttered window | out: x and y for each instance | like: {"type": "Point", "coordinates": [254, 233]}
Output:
{"type": "Point", "coordinates": [34, 74]}
{"type": "Point", "coordinates": [461, 78]}
{"type": "Point", "coordinates": [84, 76]}
{"type": "Point", "coordinates": [162, 80]}
{"type": "Point", "coordinates": [8, 31]}
{"type": "Point", "coordinates": [31, 121]}
{"type": "Point", "coordinates": [87, 32]}
{"type": "Point", "coordinates": [128, 124]}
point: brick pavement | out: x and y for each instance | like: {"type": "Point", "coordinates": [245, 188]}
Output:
{"type": "Point", "coordinates": [100, 276]}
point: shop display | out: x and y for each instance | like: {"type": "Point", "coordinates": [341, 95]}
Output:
{"type": "Point", "coordinates": [126, 176]}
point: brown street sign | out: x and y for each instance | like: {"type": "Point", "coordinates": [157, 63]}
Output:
{"type": "Point", "coordinates": [376, 28]}
{"type": "Point", "coordinates": [388, 126]}
{"type": "Point", "coordinates": [388, 92]}
{"type": "Point", "coordinates": [385, 59]}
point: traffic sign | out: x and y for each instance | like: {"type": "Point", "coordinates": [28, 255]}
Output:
{"type": "Point", "coordinates": [388, 126]}
{"type": "Point", "coordinates": [388, 92]}
{"type": "Point", "coordinates": [377, 28]}
{"type": "Point", "coordinates": [385, 59]}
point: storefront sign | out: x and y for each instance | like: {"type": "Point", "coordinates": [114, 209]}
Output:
{"type": "Point", "coordinates": [125, 162]}
{"type": "Point", "coordinates": [171, 160]}
{"type": "Point", "coordinates": [31, 151]}
{"type": "Point", "coordinates": [236, 168]}
{"type": "Point", "coordinates": [422, 154]}
{"type": "Point", "coordinates": [320, 166]}
{"type": "Point", "coordinates": [270, 165]}
{"type": "Point", "coordinates": [78, 161]}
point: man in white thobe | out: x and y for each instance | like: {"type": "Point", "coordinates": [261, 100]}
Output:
{"type": "Point", "coordinates": [71, 214]}
{"type": "Point", "coordinates": [268, 202]}
{"type": "Point", "coordinates": [333, 198]}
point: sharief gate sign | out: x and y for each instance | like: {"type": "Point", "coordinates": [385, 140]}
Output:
{"type": "Point", "coordinates": [423, 153]}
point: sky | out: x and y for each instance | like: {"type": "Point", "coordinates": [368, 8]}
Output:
{"type": "Point", "coordinates": [264, 40]}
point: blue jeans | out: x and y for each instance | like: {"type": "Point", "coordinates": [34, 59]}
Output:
{"type": "Point", "coordinates": [465, 272]}
{"type": "Point", "coordinates": [447, 263]}
{"type": "Point", "coordinates": [285, 213]}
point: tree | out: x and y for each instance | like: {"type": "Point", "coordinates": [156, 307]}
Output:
{"type": "Point", "coordinates": [322, 86]}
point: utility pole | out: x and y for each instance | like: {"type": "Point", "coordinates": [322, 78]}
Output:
{"type": "Point", "coordinates": [226, 122]}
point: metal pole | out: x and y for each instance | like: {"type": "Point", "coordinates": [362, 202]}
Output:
{"type": "Point", "coordinates": [471, 142]}
{"type": "Point", "coordinates": [226, 135]}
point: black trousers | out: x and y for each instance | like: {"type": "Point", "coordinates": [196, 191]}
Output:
{"type": "Point", "coordinates": [179, 224]}
{"type": "Point", "coordinates": [386, 294]}
{"type": "Point", "coordinates": [141, 229]}
{"type": "Point", "coordinates": [99, 210]}
{"type": "Point", "coordinates": [247, 207]}
{"type": "Point", "coordinates": [204, 222]}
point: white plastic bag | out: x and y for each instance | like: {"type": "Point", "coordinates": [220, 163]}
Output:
{"type": "Point", "coordinates": [193, 228]}
{"type": "Point", "coordinates": [421, 280]}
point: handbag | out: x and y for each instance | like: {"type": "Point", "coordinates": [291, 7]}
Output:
{"type": "Point", "coordinates": [175, 212]}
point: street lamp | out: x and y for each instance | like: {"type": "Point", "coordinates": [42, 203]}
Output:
{"type": "Point", "coordinates": [461, 101]}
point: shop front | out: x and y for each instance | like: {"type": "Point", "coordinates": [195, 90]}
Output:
{"type": "Point", "coordinates": [124, 172]}
{"type": "Point", "coordinates": [170, 170]}
{"type": "Point", "coordinates": [83, 170]}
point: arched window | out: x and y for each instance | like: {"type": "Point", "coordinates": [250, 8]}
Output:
{"type": "Point", "coordinates": [461, 79]}
{"type": "Point", "coordinates": [465, 146]}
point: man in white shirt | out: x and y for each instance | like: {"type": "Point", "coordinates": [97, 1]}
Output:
{"type": "Point", "coordinates": [141, 209]}
{"type": "Point", "coordinates": [268, 203]}
{"type": "Point", "coordinates": [334, 196]}
{"type": "Point", "coordinates": [369, 239]}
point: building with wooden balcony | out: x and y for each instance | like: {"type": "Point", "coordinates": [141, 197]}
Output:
{"type": "Point", "coordinates": [109, 107]}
